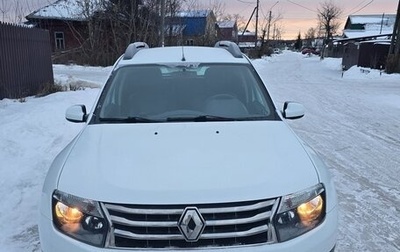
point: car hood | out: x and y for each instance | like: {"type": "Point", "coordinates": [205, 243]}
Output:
{"type": "Point", "coordinates": [183, 163]}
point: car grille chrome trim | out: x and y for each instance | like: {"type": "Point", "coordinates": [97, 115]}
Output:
{"type": "Point", "coordinates": [131, 235]}
{"type": "Point", "coordinates": [252, 231]}
{"type": "Point", "coordinates": [156, 226]}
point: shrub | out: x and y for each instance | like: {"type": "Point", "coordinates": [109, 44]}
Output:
{"type": "Point", "coordinates": [49, 88]}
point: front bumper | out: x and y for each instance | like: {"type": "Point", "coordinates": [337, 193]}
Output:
{"type": "Point", "coordinates": [320, 239]}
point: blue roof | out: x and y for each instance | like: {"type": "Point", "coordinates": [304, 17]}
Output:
{"type": "Point", "coordinates": [194, 22]}
{"type": "Point", "coordinates": [194, 13]}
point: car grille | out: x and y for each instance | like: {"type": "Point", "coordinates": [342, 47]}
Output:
{"type": "Point", "coordinates": [156, 226]}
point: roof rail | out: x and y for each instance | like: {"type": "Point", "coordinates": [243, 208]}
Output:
{"type": "Point", "coordinates": [231, 47]}
{"type": "Point", "coordinates": [133, 48]}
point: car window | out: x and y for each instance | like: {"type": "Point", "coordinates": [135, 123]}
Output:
{"type": "Point", "coordinates": [183, 92]}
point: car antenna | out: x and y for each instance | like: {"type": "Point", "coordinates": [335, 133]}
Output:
{"type": "Point", "coordinates": [183, 54]}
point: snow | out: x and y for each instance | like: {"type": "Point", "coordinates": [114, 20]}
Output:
{"type": "Point", "coordinates": [193, 13]}
{"type": "Point", "coordinates": [226, 24]}
{"type": "Point", "coordinates": [374, 25]}
{"type": "Point", "coordinates": [387, 19]}
{"type": "Point", "coordinates": [369, 33]}
{"type": "Point", "coordinates": [353, 122]}
{"type": "Point", "coordinates": [67, 9]}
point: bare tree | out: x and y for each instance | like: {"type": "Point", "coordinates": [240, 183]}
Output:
{"type": "Point", "coordinates": [216, 6]}
{"type": "Point", "coordinates": [111, 26]}
{"type": "Point", "coordinates": [218, 9]}
{"type": "Point", "coordinates": [279, 30]}
{"type": "Point", "coordinates": [4, 9]}
{"type": "Point", "coordinates": [267, 24]}
{"type": "Point", "coordinates": [240, 20]}
{"type": "Point", "coordinates": [309, 36]}
{"type": "Point", "coordinates": [16, 10]}
{"type": "Point", "coordinates": [328, 16]}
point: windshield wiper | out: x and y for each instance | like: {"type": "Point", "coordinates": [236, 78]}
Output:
{"type": "Point", "coordinates": [201, 118]}
{"type": "Point", "coordinates": [131, 119]}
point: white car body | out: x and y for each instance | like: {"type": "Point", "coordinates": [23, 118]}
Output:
{"type": "Point", "coordinates": [188, 163]}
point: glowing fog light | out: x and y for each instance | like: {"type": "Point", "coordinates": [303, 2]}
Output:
{"type": "Point", "coordinates": [310, 211]}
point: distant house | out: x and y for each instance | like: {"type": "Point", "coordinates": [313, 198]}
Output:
{"type": "Point", "coordinates": [366, 40]}
{"type": "Point", "coordinates": [78, 29]}
{"type": "Point", "coordinates": [64, 19]}
{"type": "Point", "coordinates": [369, 26]}
{"type": "Point", "coordinates": [227, 30]}
{"type": "Point", "coordinates": [191, 28]}
{"type": "Point", "coordinates": [247, 39]}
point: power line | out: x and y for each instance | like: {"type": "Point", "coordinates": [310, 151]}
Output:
{"type": "Point", "coordinates": [302, 6]}
{"type": "Point", "coordinates": [263, 13]}
{"type": "Point", "coordinates": [363, 7]}
{"type": "Point", "coordinates": [246, 2]}
{"type": "Point", "coordinates": [358, 5]}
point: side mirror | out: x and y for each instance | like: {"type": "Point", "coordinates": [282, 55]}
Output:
{"type": "Point", "coordinates": [76, 113]}
{"type": "Point", "coordinates": [293, 110]}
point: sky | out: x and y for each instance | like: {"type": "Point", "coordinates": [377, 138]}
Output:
{"type": "Point", "coordinates": [294, 18]}
{"type": "Point", "coordinates": [297, 19]}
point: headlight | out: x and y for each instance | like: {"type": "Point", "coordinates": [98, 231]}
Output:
{"type": "Point", "coordinates": [79, 218]}
{"type": "Point", "coordinates": [300, 212]}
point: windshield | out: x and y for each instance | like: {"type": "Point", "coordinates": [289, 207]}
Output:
{"type": "Point", "coordinates": [187, 92]}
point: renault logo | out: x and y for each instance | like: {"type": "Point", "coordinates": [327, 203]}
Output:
{"type": "Point", "coordinates": [191, 224]}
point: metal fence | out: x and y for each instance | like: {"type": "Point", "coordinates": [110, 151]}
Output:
{"type": "Point", "coordinates": [25, 61]}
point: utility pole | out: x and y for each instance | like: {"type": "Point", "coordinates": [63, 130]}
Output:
{"type": "Point", "coordinates": [269, 24]}
{"type": "Point", "coordinates": [270, 19]}
{"type": "Point", "coordinates": [258, 4]}
{"type": "Point", "coordinates": [394, 50]}
{"type": "Point", "coordinates": [162, 23]}
{"type": "Point", "coordinates": [383, 16]}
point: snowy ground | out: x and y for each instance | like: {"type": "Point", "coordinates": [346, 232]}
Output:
{"type": "Point", "coordinates": [354, 122]}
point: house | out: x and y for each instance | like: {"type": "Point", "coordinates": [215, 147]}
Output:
{"type": "Point", "coordinates": [66, 21]}
{"type": "Point", "coordinates": [247, 39]}
{"type": "Point", "coordinates": [78, 29]}
{"type": "Point", "coordinates": [227, 30]}
{"type": "Point", "coordinates": [366, 40]}
{"type": "Point", "coordinates": [191, 28]}
{"type": "Point", "coordinates": [369, 26]}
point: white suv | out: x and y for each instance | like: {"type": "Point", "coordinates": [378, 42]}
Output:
{"type": "Point", "coordinates": [185, 150]}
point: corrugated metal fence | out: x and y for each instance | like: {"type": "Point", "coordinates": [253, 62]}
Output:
{"type": "Point", "coordinates": [25, 61]}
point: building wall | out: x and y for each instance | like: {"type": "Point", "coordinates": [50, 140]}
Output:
{"type": "Point", "coordinates": [198, 31]}
{"type": "Point", "coordinates": [73, 33]}
{"type": "Point", "coordinates": [230, 34]}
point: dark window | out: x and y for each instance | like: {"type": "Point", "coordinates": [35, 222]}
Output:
{"type": "Point", "coordinates": [189, 42]}
{"type": "Point", "coordinates": [60, 40]}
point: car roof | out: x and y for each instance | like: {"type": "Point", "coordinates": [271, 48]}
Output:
{"type": "Point", "coordinates": [181, 54]}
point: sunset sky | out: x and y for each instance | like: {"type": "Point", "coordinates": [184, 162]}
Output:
{"type": "Point", "coordinates": [297, 19]}
{"type": "Point", "coordinates": [296, 15]}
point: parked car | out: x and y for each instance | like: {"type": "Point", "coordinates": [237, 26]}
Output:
{"type": "Point", "coordinates": [277, 51]}
{"type": "Point", "coordinates": [185, 150]}
{"type": "Point", "coordinates": [310, 50]}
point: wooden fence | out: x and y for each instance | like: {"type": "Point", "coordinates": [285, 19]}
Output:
{"type": "Point", "coordinates": [25, 61]}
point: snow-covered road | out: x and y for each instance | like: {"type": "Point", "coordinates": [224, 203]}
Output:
{"type": "Point", "coordinates": [353, 122]}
